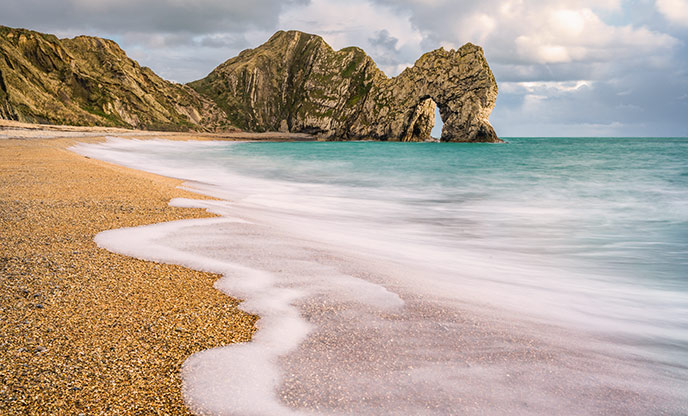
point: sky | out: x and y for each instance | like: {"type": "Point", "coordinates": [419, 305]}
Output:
{"type": "Point", "coordinates": [564, 67]}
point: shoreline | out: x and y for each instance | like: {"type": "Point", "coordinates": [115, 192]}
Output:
{"type": "Point", "coordinates": [534, 350]}
{"type": "Point", "coordinates": [367, 308]}
{"type": "Point", "coordinates": [18, 130]}
{"type": "Point", "coordinates": [85, 330]}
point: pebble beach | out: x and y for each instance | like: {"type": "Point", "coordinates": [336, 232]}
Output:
{"type": "Point", "coordinates": [84, 330]}
{"type": "Point", "coordinates": [346, 326]}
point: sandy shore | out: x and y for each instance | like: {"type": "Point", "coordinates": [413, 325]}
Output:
{"type": "Point", "coordinates": [83, 330]}
{"type": "Point", "coordinates": [17, 130]}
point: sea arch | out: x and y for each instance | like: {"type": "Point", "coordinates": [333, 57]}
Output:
{"type": "Point", "coordinates": [459, 82]}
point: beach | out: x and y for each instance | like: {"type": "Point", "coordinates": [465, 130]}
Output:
{"type": "Point", "coordinates": [86, 331]}
{"type": "Point", "coordinates": [466, 321]}
{"type": "Point", "coordinates": [332, 208]}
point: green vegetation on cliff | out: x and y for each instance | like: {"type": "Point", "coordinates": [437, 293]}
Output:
{"type": "Point", "coordinates": [295, 82]}
{"type": "Point", "coordinates": [91, 81]}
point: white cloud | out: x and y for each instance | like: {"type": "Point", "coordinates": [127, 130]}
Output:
{"type": "Point", "coordinates": [571, 61]}
{"type": "Point", "coordinates": [545, 86]}
{"type": "Point", "coordinates": [345, 23]}
{"type": "Point", "coordinates": [552, 34]}
{"type": "Point", "coordinates": [477, 27]}
{"type": "Point", "coordinates": [676, 11]}
{"type": "Point", "coordinates": [536, 31]}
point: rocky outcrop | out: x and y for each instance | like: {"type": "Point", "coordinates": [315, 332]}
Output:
{"type": "Point", "coordinates": [91, 81]}
{"type": "Point", "coordinates": [459, 82]}
{"type": "Point", "coordinates": [296, 82]}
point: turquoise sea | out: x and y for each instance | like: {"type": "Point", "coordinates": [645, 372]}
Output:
{"type": "Point", "coordinates": [585, 234]}
{"type": "Point", "coordinates": [617, 205]}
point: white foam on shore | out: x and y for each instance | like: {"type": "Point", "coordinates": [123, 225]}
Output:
{"type": "Point", "coordinates": [356, 320]}
{"type": "Point", "coordinates": [211, 376]}
{"type": "Point", "coordinates": [238, 379]}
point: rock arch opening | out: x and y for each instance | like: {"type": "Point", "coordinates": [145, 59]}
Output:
{"type": "Point", "coordinates": [423, 120]}
{"type": "Point", "coordinates": [436, 132]}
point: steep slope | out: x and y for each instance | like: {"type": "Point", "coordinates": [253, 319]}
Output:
{"type": "Point", "coordinates": [91, 81]}
{"type": "Point", "coordinates": [296, 82]}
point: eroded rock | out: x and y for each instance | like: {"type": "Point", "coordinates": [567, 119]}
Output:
{"type": "Point", "coordinates": [91, 81]}
{"type": "Point", "coordinates": [294, 83]}
{"type": "Point", "coordinates": [297, 82]}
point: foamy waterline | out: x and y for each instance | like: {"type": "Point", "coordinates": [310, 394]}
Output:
{"type": "Point", "coordinates": [314, 280]}
{"type": "Point", "coordinates": [211, 376]}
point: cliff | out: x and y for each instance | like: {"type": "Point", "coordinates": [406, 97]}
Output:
{"type": "Point", "coordinates": [296, 82]}
{"type": "Point", "coordinates": [91, 81]}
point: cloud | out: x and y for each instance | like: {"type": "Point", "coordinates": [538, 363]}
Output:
{"type": "Point", "coordinates": [385, 33]}
{"type": "Point", "coordinates": [537, 32]}
{"type": "Point", "coordinates": [629, 103]}
{"type": "Point", "coordinates": [580, 35]}
{"type": "Point", "coordinates": [608, 64]}
{"type": "Point", "coordinates": [676, 11]}
{"type": "Point", "coordinates": [150, 16]}
{"type": "Point", "coordinates": [383, 39]}
{"type": "Point", "coordinates": [223, 40]}
{"type": "Point", "coordinates": [549, 87]}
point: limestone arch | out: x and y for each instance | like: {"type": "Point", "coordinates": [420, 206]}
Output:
{"type": "Point", "coordinates": [422, 119]}
{"type": "Point", "coordinates": [460, 84]}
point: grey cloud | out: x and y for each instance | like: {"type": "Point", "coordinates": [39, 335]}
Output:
{"type": "Point", "coordinates": [150, 16]}
{"type": "Point", "coordinates": [156, 40]}
{"type": "Point", "coordinates": [384, 48]}
{"type": "Point", "coordinates": [634, 104]}
{"type": "Point", "coordinates": [383, 39]}
{"type": "Point", "coordinates": [231, 41]}
{"type": "Point", "coordinates": [635, 90]}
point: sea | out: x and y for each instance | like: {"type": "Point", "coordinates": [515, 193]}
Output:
{"type": "Point", "coordinates": [538, 276]}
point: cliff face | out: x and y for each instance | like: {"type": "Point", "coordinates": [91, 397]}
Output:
{"type": "Point", "coordinates": [296, 82]}
{"type": "Point", "coordinates": [91, 81]}
{"type": "Point", "coordinates": [459, 82]}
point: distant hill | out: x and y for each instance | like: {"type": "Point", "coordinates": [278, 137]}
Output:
{"type": "Point", "coordinates": [92, 82]}
{"type": "Point", "coordinates": [295, 82]}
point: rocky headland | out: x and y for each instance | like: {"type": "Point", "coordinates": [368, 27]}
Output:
{"type": "Point", "coordinates": [294, 83]}
{"type": "Point", "coordinates": [90, 81]}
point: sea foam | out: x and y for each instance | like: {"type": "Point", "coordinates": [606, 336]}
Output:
{"type": "Point", "coordinates": [366, 308]}
{"type": "Point", "coordinates": [239, 379]}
